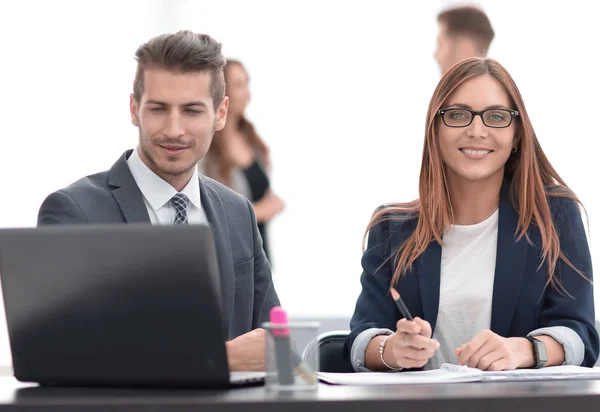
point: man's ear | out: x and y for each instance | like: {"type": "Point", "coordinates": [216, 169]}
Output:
{"type": "Point", "coordinates": [222, 114]}
{"type": "Point", "coordinates": [133, 110]}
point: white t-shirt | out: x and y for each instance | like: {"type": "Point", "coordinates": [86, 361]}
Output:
{"type": "Point", "coordinates": [466, 286]}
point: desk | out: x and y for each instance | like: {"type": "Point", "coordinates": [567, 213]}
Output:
{"type": "Point", "coordinates": [563, 396]}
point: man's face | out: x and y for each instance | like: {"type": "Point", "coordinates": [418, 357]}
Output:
{"type": "Point", "coordinates": [176, 121]}
{"type": "Point", "coordinates": [446, 52]}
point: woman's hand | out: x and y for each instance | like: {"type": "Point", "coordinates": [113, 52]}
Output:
{"type": "Point", "coordinates": [491, 352]}
{"type": "Point", "coordinates": [411, 345]}
{"type": "Point", "coordinates": [268, 207]}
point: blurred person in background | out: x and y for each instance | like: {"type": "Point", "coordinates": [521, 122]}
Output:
{"type": "Point", "coordinates": [463, 32]}
{"type": "Point", "coordinates": [239, 158]}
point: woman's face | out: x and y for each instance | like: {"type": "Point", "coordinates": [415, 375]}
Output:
{"type": "Point", "coordinates": [237, 89]}
{"type": "Point", "coordinates": [476, 152]}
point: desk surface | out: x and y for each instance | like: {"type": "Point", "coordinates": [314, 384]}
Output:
{"type": "Point", "coordinates": [563, 396]}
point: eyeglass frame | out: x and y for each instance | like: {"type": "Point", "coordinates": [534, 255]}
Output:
{"type": "Point", "coordinates": [513, 115]}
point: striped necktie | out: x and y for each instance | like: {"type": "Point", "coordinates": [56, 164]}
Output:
{"type": "Point", "coordinates": [180, 202]}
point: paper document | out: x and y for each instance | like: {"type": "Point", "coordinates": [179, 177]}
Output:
{"type": "Point", "coordinates": [394, 378]}
{"type": "Point", "coordinates": [449, 373]}
{"type": "Point", "coordinates": [551, 372]}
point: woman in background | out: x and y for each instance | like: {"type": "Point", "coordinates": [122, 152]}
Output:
{"type": "Point", "coordinates": [492, 260]}
{"type": "Point", "coordinates": [238, 157]}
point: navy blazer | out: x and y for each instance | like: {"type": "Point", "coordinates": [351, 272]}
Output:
{"type": "Point", "coordinates": [521, 302]}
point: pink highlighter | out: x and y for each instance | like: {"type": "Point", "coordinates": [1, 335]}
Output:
{"type": "Point", "coordinates": [283, 350]}
{"type": "Point", "coordinates": [278, 316]}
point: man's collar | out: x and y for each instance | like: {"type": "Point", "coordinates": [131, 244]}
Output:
{"type": "Point", "coordinates": [156, 190]}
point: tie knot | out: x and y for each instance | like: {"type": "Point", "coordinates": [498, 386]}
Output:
{"type": "Point", "coordinates": [180, 202]}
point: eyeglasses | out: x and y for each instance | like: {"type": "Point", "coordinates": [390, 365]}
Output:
{"type": "Point", "coordinates": [496, 118]}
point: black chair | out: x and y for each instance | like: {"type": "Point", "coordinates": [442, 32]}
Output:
{"type": "Point", "coordinates": [330, 347]}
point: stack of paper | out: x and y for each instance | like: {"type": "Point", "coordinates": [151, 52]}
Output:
{"type": "Point", "coordinates": [449, 373]}
{"type": "Point", "coordinates": [566, 372]}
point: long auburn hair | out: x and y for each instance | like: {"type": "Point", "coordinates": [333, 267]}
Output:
{"type": "Point", "coordinates": [528, 169]}
{"type": "Point", "coordinates": [216, 165]}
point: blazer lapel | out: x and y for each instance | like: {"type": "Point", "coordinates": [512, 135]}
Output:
{"type": "Point", "coordinates": [428, 274]}
{"type": "Point", "coordinates": [126, 192]}
{"type": "Point", "coordinates": [215, 213]}
{"type": "Point", "coordinates": [511, 259]}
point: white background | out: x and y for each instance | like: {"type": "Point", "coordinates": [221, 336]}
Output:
{"type": "Point", "coordinates": [339, 92]}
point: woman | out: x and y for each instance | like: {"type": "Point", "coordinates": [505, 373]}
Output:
{"type": "Point", "coordinates": [492, 259]}
{"type": "Point", "coordinates": [238, 157]}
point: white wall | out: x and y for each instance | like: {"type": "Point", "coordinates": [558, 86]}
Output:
{"type": "Point", "coordinates": [66, 72]}
{"type": "Point", "coordinates": [340, 91]}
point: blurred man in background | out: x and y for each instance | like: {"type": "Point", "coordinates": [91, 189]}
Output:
{"type": "Point", "coordinates": [463, 32]}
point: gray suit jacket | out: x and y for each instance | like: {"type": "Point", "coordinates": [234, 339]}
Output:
{"type": "Point", "coordinates": [114, 197]}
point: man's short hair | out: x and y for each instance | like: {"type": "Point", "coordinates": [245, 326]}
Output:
{"type": "Point", "coordinates": [183, 52]}
{"type": "Point", "coordinates": [471, 22]}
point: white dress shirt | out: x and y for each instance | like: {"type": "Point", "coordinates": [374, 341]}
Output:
{"type": "Point", "coordinates": [158, 193]}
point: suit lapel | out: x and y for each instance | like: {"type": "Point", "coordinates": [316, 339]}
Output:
{"type": "Point", "coordinates": [428, 274]}
{"type": "Point", "coordinates": [511, 259]}
{"type": "Point", "coordinates": [215, 213]}
{"type": "Point", "coordinates": [131, 202]}
{"type": "Point", "coordinates": [126, 192]}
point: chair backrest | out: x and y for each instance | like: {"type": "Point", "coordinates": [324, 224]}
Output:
{"type": "Point", "coordinates": [330, 347]}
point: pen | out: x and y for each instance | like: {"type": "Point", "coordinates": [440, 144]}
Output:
{"type": "Point", "coordinates": [400, 304]}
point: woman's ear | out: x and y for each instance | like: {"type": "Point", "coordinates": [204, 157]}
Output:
{"type": "Point", "coordinates": [516, 143]}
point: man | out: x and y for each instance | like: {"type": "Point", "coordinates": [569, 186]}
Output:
{"type": "Point", "coordinates": [178, 102]}
{"type": "Point", "coordinates": [464, 32]}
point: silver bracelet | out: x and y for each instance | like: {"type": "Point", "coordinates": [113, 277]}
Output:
{"type": "Point", "coordinates": [381, 349]}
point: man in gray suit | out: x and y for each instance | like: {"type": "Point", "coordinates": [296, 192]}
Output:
{"type": "Point", "coordinates": [178, 102]}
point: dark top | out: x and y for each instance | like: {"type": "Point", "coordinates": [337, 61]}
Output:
{"type": "Point", "coordinates": [259, 184]}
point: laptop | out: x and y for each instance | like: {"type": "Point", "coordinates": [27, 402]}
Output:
{"type": "Point", "coordinates": [116, 305]}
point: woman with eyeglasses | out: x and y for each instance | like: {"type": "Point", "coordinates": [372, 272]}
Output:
{"type": "Point", "coordinates": [492, 260]}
